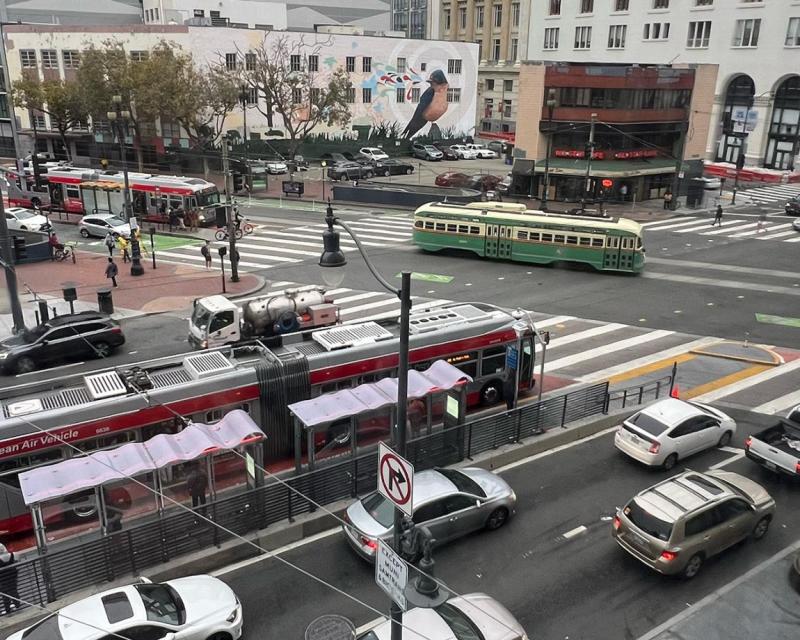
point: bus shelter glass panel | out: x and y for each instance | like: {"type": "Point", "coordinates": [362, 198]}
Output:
{"type": "Point", "coordinates": [235, 470]}
{"type": "Point", "coordinates": [129, 501]}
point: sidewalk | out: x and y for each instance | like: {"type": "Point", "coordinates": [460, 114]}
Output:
{"type": "Point", "coordinates": [170, 287]}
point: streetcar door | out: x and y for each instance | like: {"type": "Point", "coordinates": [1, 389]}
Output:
{"type": "Point", "coordinates": [626, 251]}
{"type": "Point", "coordinates": [526, 367]}
{"type": "Point", "coordinates": [504, 240]}
{"type": "Point", "coordinates": [611, 255]}
{"type": "Point", "coordinates": [492, 231]}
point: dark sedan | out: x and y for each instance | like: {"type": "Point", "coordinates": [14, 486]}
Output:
{"type": "Point", "coordinates": [792, 207]}
{"type": "Point", "coordinates": [484, 182]}
{"type": "Point", "coordinates": [447, 152]}
{"type": "Point", "coordinates": [350, 171]}
{"type": "Point", "coordinates": [393, 168]}
{"type": "Point", "coordinates": [453, 179]}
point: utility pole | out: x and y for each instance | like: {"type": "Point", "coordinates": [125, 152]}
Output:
{"type": "Point", "coordinates": [589, 153]}
{"type": "Point", "coordinates": [676, 179]}
{"type": "Point", "coordinates": [229, 212]}
{"type": "Point", "coordinates": [7, 262]}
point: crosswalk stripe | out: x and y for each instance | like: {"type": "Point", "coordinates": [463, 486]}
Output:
{"type": "Point", "coordinates": [781, 404]}
{"type": "Point", "coordinates": [777, 235]}
{"type": "Point", "coordinates": [358, 296]}
{"type": "Point", "coordinates": [583, 335]}
{"type": "Point", "coordinates": [297, 252]}
{"type": "Point", "coordinates": [793, 240]}
{"type": "Point", "coordinates": [705, 224]}
{"type": "Point", "coordinates": [675, 225]}
{"type": "Point", "coordinates": [654, 223]}
{"type": "Point", "coordinates": [370, 305]}
{"type": "Point", "coordinates": [719, 231]}
{"type": "Point", "coordinates": [549, 322]}
{"type": "Point", "coordinates": [171, 254]}
{"type": "Point", "coordinates": [764, 229]}
{"type": "Point", "coordinates": [750, 381]}
{"type": "Point", "coordinates": [590, 354]}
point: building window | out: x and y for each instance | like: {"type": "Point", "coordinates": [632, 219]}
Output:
{"type": "Point", "coordinates": [497, 15]}
{"type": "Point", "coordinates": [400, 95]}
{"type": "Point", "coordinates": [703, 3]}
{"type": "Point", "coordinates": [250, 61]}
{"type": "Point", "coordinates": [351, 95]}
{"type": "Point", "coordinates": [793, 33]}
{"type": "Point", "coordinates": [616, 36]}
{"type": "Point", "coordinates": [784, 130]}
{"type": "Point", "coordinates": [401, 65]}
{"type": "Point", "coordinates": [453, 95]}
{"type": "Point", "coordinates": [508, 85]}
{"type": "Point", "coordinates": [141, 56]}
{"type": "Point", "coordinates": [551, 38]}
{"type": "Point", "coordinates": [251, 95]}
{"type": "Point", "coordinates": [366, 95]}
{"type": "Point", "coordinates": [315, 95]}
{"type": "Point", "coordinates": [496, 49]}
{"type": "Point", "coordinates": [230, 61]}
{"type": "Point", "coordinates": [515, 13]}
{"type": "Point", "coordinates": [555, 8]}
{"type": "Point", "coordinates": [446, 19]}
{"type": "Point", "coordinates": [479, 16]}
{"type": "Point", "coordinates": [506, 108]}
{"type": "Point", "coordinates": [72, 59]}
{"type": "Point", "coordinates": [699, 35]}
{"type": "Point", "coordinates": [366, 64]}
{"type": "Point", "coordinates": [621, 5]}
{"type": "Point", "coordinates": [313, 63]}
{"type": "Point", "coordinates": [350, 64]}
{"type": "Point", "coordinates": [199, 13]}
{"type": "Point", "coordinates": [490, 84]}
{"type": "Point", "coordinates": [486, 125]}
{"type": "Point", "coordinates": [170, 130]}
{"type": "Point", "coordinates": [297, 95]}
{"type": "Point", "coordinates": [453, 66]}
{"type": "Point", "coordinates": [746, 33]}
{"type": "Point", "coordinates": [583, 37]}
{"type": "Point", "coordinates": [294, 62]}
{"type": "Point", "coordinates": [415, 94]}
{"type": "Point", "coordinates": [38, 120]}
{"type": "Point", "coordinates": [660, 4]}
{"type": "Point", "coordinates": [49, 59]}
{"type": "Point", "coordinates": [479, 42]}
{"type": "Point", "coordinates": [587, 6]}
{"type": "Point", "coordinates": [28, 58]}
{"type": "Point", "coordinates": [514, 48]}
{"type": "Point", "coordinates": [656, 31]}
{"type": "Point", "coordinates": [462, 18]}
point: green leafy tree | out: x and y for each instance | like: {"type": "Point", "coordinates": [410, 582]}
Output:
{"type": "Point", "coordinates": [61, 100]}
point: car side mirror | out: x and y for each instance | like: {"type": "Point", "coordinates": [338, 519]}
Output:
{"type": "Point", "coordinates": [478, 503]}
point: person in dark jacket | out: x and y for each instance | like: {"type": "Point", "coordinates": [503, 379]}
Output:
{"type": "Point", "coordinates": [197, 484]}
{"type": "Point", "coordinates": [8, 580]}
{"type": "Point", "coordinates": [112, 271]}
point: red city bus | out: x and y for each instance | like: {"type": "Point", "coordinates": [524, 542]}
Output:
{"type": "Point", "coordinates": [204, 386]}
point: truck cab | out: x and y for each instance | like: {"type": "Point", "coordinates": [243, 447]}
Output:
{"type": "Point", "coordinates": [215, 322]}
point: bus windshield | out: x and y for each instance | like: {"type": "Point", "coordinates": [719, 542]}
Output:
{"type": "Point", "coordinates": [208, 198]}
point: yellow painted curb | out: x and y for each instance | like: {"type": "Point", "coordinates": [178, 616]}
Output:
{"type": "Point", "coordinates": [724, 381]}
{"type": "Point", "coordinates": [705, 351]}
{"type": "Point", "coordinates": [666, 363]}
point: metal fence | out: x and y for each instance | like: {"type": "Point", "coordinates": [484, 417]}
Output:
{"type": "Point", "coordinates": [69, 568]}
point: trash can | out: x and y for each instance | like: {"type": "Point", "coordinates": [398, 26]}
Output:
{"type": "Point", "coordinates": [105, 301]}
{"type": "Point", "coordinates": [509, 160]}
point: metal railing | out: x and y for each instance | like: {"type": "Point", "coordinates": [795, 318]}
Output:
{"type": "Point", "coordinates": [637, 394]}
{"type": "Point", "coordinates": [70, 567]}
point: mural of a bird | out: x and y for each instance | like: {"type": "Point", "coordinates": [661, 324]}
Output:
{"type": "Point", "coordinates": [432, 104]}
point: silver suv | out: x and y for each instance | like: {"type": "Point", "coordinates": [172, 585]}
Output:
{"type": "Point", "coordinates": [674, 526]}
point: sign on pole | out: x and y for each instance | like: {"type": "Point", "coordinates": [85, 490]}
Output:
{"type": "Point", "coordinates": [395, 479]}
{"type": "Point", "coordinates": [391, 574]}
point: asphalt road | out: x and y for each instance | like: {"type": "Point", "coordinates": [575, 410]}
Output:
{"type": "Point", "coordinates": [583, 587]}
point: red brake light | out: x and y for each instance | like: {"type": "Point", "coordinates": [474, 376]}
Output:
{"type": "Point", "coordinates": [797, 468]}
{"type": "Point", "coordinates": [669, 556]}
{"type": "Point", "coordinates": [116, 330]}
{"type": "Point", "coordinates": [654, 447]}
{"type": "Point", "coordinates": [368, 542]}
{"type": "Point", "coordinates": [748, 441]}
{"type": "Point", "coordinates": [617, 523]}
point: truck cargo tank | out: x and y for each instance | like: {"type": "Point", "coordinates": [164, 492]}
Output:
{"type": "Point", "coordinates": [279, 314]}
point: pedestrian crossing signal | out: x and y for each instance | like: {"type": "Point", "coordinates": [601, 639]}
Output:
{"type": "Point", "coordinates": [20, 250]}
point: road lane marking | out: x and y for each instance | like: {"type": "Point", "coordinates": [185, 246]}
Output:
{"type": "Point", "coordinates": [49, 369]}
{"type": "Point", "coordinates": [737, 456]}
{"type": "Point", "coordinates": [549, 452]}
{"type": "Point", "coordinates": [567, 361]}
{"type": "Point", "coordinates": [574, 532]}
{"type": "Point", "coordinates": [549, 322]}
{"type": "Point", "coordinates": [724, 267]}
{"type": "Point", "coordinates": [769, 374]}
{"type": "Point", "coordinates": [725, 381]}
{"type": "Point", "coordinates": [661, 225]}
{"type": "Point", "coordinates": [651, 367]}
{"type": "Point", "coordinates": [717, 283]}
{"type": "Point", "coordinates": [779, 404]}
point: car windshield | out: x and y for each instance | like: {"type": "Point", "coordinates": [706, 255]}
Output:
{"type": "Point", "coordinates": [200, 316]}
{"type": "Point", "coordinates": [430, 148]}
{"type": "Point", "coordinates": [463, 483]}
{"type": "Point", "coordinates": [462, 627]}
{"type": "Point", "coordinates": [647, 522]}
{"type": "Point", "coordinates": [648, 423]}
{"type": "Point", "coordinates": [115, 222]}
{"type": "Point", "coordinates": [162, 603]}
{"type": "Point", "coordinates": [24, 215]}
{"type": "Point", "coordinates": [381, 509]}
{"type": "Point", "coordinates": [32, 335]}
{"type": "Point", "coordinates": [46, 629]}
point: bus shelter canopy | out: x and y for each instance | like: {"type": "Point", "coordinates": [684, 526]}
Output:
{"type": "Point", "coordinates": [86, 472]}
{"type": "Point", "coordinates": [440, 376]}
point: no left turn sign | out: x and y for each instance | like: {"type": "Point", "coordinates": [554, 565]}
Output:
{"type": "Point", "coordinates": [395, 479]}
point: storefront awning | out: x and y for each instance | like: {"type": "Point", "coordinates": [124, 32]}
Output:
{"type": "Point", "coordinates": [78, 474]}
{"type": "Point", "coordinates": [440, 376]}
{"type": "Point", "coordinates": [607, 168]}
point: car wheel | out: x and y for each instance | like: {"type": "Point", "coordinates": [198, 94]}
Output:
{"type": "Point", "coordinates": [497, 518]}
{"type": "Point", "coordinates": [102, 349]}
{"type": "Point", "coordinates": [23, 228]}
{"type": "Point", "coordinates": [671, 461]}
{"type": "Point", "coordinates": [409, 171]}
{"type": "Point", "coordinates": [25, 365]}
{"type": "Point", "coordinates": [491, 393]}
{"type": "Point", "coordinates": [761, 528]}
{"type": "Point", "coordinates": [84, 233]}
{"type": "Point", "coordinates": [343, 178]}
{"type": "Point", "coordinates": [36, 203]}
{"type": "Point", "coordinates": [369, 174]}
{"type": "Point", "coordinates": [385, 173]}
{"type": "Point", "coordinates": [725, 439]}
{"type": "Point", "coordinates": [693, 567]}
{"type": "Point", "coordinates": [220, 636]}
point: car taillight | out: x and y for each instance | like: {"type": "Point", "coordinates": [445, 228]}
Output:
{"type": "Point", "coordinates": [116, 330]}
{"type": "Point", "coordinates": [797, 468]}
{"type": "Point", "coordinates": [669, 556]}
{"type": "Point", "coordinates": [654, 447]}
{"type": "Point", "coordinates": [369, 542]}
{"type": "Point", "coordinates": [747, 442]}
{"type": "Point", "coordinates": [617, 523]}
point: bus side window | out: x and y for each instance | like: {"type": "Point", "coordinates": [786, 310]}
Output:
{"type": "Point", "coordinates": [493, 360]}
{"type": "Point", "coordinates": [213, 416]}
{"type": "Point", "coordinates": [73, 192]}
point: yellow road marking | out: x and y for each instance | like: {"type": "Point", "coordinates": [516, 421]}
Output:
{"type": "Point", "coordinates": [725, 381]}
{"type": "Point", "coordinates": [653, 366]}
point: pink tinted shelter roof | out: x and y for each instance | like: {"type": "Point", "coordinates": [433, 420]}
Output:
{"type": "Point", "coordinates": [86, 472]}
{"type": "Point", "coordinates": [324, 409]}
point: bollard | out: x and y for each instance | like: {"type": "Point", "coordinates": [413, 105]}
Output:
{"type": "Point", "coordinates": [44, 313]}
{"type": "Point", "coordinates": [105, 301]}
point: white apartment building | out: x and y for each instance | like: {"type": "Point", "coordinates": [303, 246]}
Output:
{"type": "Point", "coordinates": [756, 44]}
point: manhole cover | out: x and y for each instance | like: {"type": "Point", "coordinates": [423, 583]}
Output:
{"type": "Point", "coordinates": [331, 627]}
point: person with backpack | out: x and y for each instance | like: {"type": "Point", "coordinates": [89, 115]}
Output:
{"type": "Point", "coordinates": [110, 242]}
{"type": "Point", "coordinates": [112, 271]}
{"type": "Point", "coordinates": [718, 216]}
{"type": "Point", "coordinates": [205, 251]}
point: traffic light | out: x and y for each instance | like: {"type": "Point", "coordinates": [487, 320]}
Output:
{"type": "Point", "coordinates": [238, 182]}
{"type": "Point", "coordinates": [607, 183]}
{"type": "Point", "coordinates": [20, 251]}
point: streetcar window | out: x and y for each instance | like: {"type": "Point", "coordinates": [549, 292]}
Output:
{"type": "Point", "coordinates": [613, 242]}
{"type": "Point", "coordinates": [522, 235]}
{"type": "Point", "coordinates": [572, 240]}
{"type": "Point", "coordinates": [463, 228]}
{"type": "Point", "coordinates": [451, 228]}
{"type": "Point", "coordinates": [597, 242]}
{"type": "Point", "coordinates": [429, 225]}
{"type": "Point", "coordinates": [585, 242]}
{"type": "Point", "coordinates": [418, 224]}
{"type": "Point", "coordinates": [547, 237]}
{"type": "Point", "coordinates": [558, 239]}
{"type": "Point", "coordinates": [535, 236]}
{"type": "Point", "coordinates": [638, 243]}
{"type": "Point", "coordinates": [440, 226]}
{"type": "Point", "coordinates": [493, 360]}
{"type": "Point", "coordinates": [475, 230]}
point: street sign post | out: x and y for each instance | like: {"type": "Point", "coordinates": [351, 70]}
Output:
{"type": "Point", "coordinates": [391, 574]}
{"type": "Point", "coordinates": [395, 479]}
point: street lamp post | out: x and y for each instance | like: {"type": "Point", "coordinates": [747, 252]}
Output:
{"type": "Point", "coordinates": [332, 258]}
{"type": "Point", "coordinates": [323, 164]}
{"type": "Point", "coordinates": [119, 119]}
{"type": "Point", "coordinates": [551, 104]}
{"type": "Point", "coordinates": [243, 102]}
{"type": "Point", "coordinates": [587, 189]}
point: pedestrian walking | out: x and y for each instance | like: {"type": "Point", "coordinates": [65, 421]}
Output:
{"type": "Point", "coordinates": [122, 244]}
{"type": "Point", "coordinates": [173, 219]}
{"type": "Point", "coordinates": [192, 218]}
{"type": "Point", "coordinates": [197, 483]}
{"type": "Point", "coordinates": [137, 233]}
{"type": "Point", "coordinates": [8, 580]}
{"type": "Point", "coordinates": [762, 218]}
{"type": "Point", "coordinates": [109, 242]}
{"type": "Point", "coordinates": [623, 192]}
{"type": "Point", "coordinates": [668, 199]}
{"type": "Point", "coordinates": [181, 215]}
{"type": "Point", "coordinates": [112, 271]}
{"type": "Point", "coordinates": [718, 216]}
{"type": "Point", "coordinates": [205, 251]}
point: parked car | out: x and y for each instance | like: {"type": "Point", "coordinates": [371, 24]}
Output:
{"type": "Point", "coordinates": [373, 153]}
{"type": "Point", "coordinates": [473, 616]}
{"type": "Point", "coordinates": [792, 207]}
{"type": "Point", "coordinates": [453, 179]}
{"type": "Point", "coordinates": [671, 429]}
{"type": "Point", "coordinates": [20, 219]}
{"type": "Point", "coordinates": [484, 182]}
{"type": "Point", "coordinates": [73, 336]}
{"type": "Point", "coordinates": [777, 447]}
{"type": "Point", "coordinates": [350, 171]}
{"type": "Point", "coordinates": [498, 146]}
{"type": "Point", "coordinates": [446, 150]}
{"type": "Point", "coordinates": [99, 224]}
{"type": "Point", "coordinates": [190, 608]}
{"type": "Point", "coordinates": [333, 158]}
{"type": "Point", "coordinates": [481, 151]}
{"type": "Point", "coordinates": [298, 163]}
{"type": "Point", "coordinates": [711, 184]}
{"type": "Point", "coordinates": [677, 524]}
{"type": "Point", "coordinates": [393, 167]}
{"type": "Point", "coordinates": [463, 152]}
{"type": "Point", "coordinates": [796, 224]}
{"type": "Point", "coordinates": [450, 502]}
{"type": "Point", "coordinates": [276, 167]}
{"type": "Point", "coordinates": [426, 152]}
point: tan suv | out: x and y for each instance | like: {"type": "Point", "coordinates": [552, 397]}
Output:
{"type": "Point", "coordinates": [674, 526]}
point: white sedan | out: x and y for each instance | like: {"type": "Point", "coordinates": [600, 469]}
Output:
{"type": "Point", "coordinates": [463, 152]}
{"type": "Point", "coordinates": [21, 219]}
{"type": "Point", "coordinates": [191, 608]}
{"type": "Point", "coordinates": [276, 167]}
{"type": "Point", "coordinates": [481, 151]}
{"type": "Point", "coordinates": [671, 429]}
{"type": "Point", "coordinates": [373, 153]}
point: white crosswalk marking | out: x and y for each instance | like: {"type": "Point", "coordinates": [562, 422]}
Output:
{"type": "Point", "coordinates": [772, 193]}
{"type": "Point", "coordinates": [705, 224]}
{"type": "Point", "coordinates": [774, 228]}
